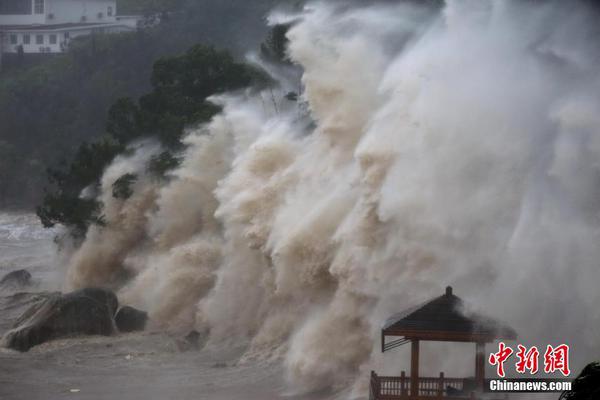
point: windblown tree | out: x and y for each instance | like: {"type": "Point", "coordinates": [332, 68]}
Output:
{"type": "Point", "coordinates": [181, 86]}
{"type": "Point", "coordinates": [274, 48]}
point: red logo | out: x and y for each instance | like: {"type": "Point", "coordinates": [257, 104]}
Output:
{"type": "Point", "coordinates": [555, 359]}
{"type": "Point", "coordinates": [528, 360]}
{"type": "Point", "coordinates": [500, 357]}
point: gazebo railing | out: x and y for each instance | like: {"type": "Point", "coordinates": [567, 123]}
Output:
{"type": "Point", "coordinates": [398, 387]}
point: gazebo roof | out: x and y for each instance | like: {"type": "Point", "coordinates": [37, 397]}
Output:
{"type": "Point", "coordinates": [443, 319]}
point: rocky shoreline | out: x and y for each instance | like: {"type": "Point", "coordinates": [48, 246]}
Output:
{"type": "Point", "coordinates": [127, 363]}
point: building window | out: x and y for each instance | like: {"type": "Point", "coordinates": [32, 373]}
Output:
{"type": "Point", "coordinates": [39, 39]}
{"type": "Point", "coordinates": [14, 39]}
{"type": "Point", "coordinates": [109, 11]}
{"type": "Point", "coordinates": [67, 35]}
{"type": "Point", "coordinates": [26, 39]}
{"type": "Point", "coordinates": [53, 39]}
{"type": "Point", "coordinates": [38, 7]}
{"type": "Point", "coordinates": [15, 7]}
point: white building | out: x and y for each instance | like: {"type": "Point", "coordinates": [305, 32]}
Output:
{"type": "Point", "coordinates": [47, 26]}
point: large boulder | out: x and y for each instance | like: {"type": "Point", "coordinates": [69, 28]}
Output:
{"type": "Point", "coordinates": [16, 279]}
{"type": "Point", "coordinates": [84, 312]}
{"type": "Point", "coordinates": [586, 386]}
{"type": "Point", "coordinates": [128, 319]}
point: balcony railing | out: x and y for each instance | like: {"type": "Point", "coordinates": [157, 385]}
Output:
{"type": "Point", "coordinates": [398, 388]}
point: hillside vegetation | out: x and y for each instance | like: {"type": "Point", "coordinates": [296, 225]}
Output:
{"type": "Point", "coordinates": [48, 110]}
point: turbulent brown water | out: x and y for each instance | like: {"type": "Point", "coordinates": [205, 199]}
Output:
{"type": "Point", "coordinates": [429, 149]}
{"type": "Point", "coordinates": [25, 244]}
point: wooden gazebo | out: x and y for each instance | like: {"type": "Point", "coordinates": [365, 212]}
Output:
{"type": "Point", "coordinates": [441, 319]}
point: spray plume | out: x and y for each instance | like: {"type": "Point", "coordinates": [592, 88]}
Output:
{"type": "Point", "coordinates": [432, 147]}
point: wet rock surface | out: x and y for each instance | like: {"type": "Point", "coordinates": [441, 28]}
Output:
{"type": "Point", "coordinates": [83, 312]}
{"type": "Point", "coordinates": [129, 319]}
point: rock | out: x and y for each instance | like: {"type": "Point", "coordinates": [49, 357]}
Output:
{"type": "Point", "coordinates": [128, 319]}
{"type": "Point", "coordinates": [193, 337]}
{"type": "Point", "coordinates": [586, 386]}
{"type": "Point", "coordinates": [83, 312]}
{"type": "Point", "coordinates": [192, 341]}
{"type": "Point", "coordinates": [16, 279]}
{"type": "Point", "coordinates": [14, 305]}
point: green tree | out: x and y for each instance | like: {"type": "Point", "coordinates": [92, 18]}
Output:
{"type": "Point", "coordinates": [123, 121]}
{"type": "Point", "coordinates": [180, 88]}
{"type": "Point", "coordinates": [274, 48]}
{"type": "Point", "coordinates": [160, 164]}
{"type": "Point", "coordinates": [121, 189]}
{"type": "Point", "coordinates": [182, 85]}
{"type": "Point", "coordinates": [65, 204]}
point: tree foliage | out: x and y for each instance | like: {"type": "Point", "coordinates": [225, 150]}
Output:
{"type": "Point", "coordinates": [121, 188]}
{"type": "Point", "coordinates": [180, 88]}
{"type": "Point", "coordinates": [66, 204]}
{"type": "Point", "coordinates": [274, 47]}
{"type": "Point", "coordinates": [162, 163]}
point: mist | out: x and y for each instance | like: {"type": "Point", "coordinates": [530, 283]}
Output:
{"type": "Point", "coordinates": [429, 148]}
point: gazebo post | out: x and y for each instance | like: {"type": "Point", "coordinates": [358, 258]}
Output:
{"type": "Point", "coordinates": [480, 365]}
{"type": "Point", "coordinates": [414, 369]}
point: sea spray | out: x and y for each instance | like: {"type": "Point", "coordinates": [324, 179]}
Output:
{"type": "Point", "coordinates": [430, 147]}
